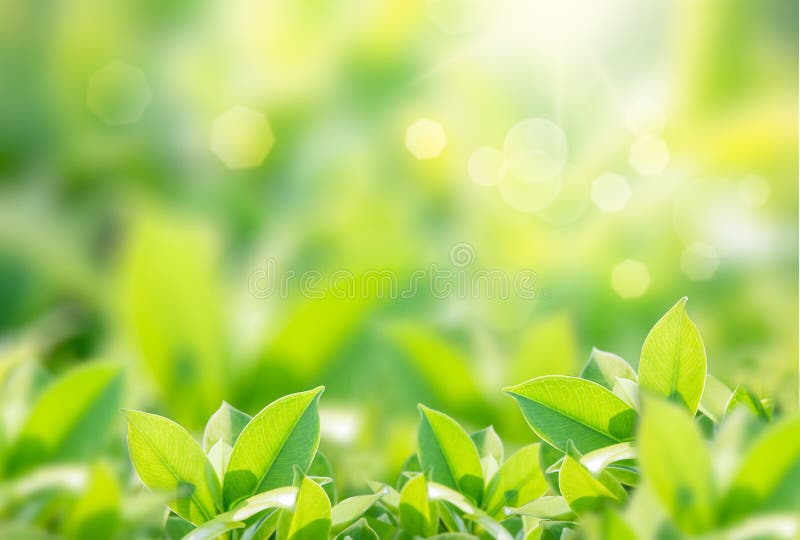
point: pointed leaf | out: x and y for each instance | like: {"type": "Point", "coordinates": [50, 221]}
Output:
{"type": "Point", "coordinates": [549, 508]}
{"type": "Point", "coordinates": [283, 435]}
{"type": "Point", "coordinates": [446, 448]}
{"type": "Point", "coordinates": [676, 464]}
{"type": "Point", "coordinates": [518, 481]}
{"type": "Point", "coordinates": [69, 419]}
{"type": "Point", "coordinates": [351, 509]}
{"type": "Point", "coordinates": [560, 408]}
{"type": "Point", "coordinates": [167, 459]}
{"type": "Point", "coordinates": [583, 491]}
{"type": "Point", "coordinates": [417, 514]}
{"type": "Point", "coordinates": [96, 513]}
{"type": "Point", "coordinates": [311, 518]}
{"type": "Point", "coordinates": [715, 398]}
{"type": "Point", "coordinates": [604, 368]}
{"type": "Point", "coordinates": [488, 444]}
{"type": "Point", "coordinates": [359, 530]}
{"type": "Point", "coordinates": [769, 476]}
{"type": "Point", "coordinates": [673, 361]}
{"type": "Point", "coordinates": [224, 425]}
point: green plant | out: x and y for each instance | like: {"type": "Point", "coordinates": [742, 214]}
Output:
{"type": "Point", "coordinates": [665, 451]}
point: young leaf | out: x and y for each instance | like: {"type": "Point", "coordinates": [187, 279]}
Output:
{"type": "Point", "coordinates": [359, 530]}
{"type": "Point", "coordinates": [583, 491]}
{"type": "Point", "coordinates": [283, 435]}
{"type": "Point", "coordinates": [69, 418]}
{"type": "Point", "coordinates": [224, 425]}
{"type": "Point", "coordinates": [218, 455]}
{"type": "Point", "coordinates": [213, 529]}
{"type": "Point", "coordinates": [745, 397]}
{"type": "Point", "coordinates": [167, 459]}
{"type": "Point", "coordinates": [446, 448]}
{"type": "Point", "coordinates": [604, 368]}
{"type": "Point", "coordinates": [518, 481]}
{"type": "Point", "coordinates": [769, 477]}
{"type": "Point", "coordinates": [715, 398]}
{"type": "Point", "coordinates": [676, 464]}
{"type": "Point", "coordinates": [548, 457]}
{"type": "Point", "coordinates": [349, 510]}
{"type": "Point", "coordinates": [560, 408]}
{"type": "Point", "coordinates": [550, 508]}
{"type": "Point", "coordinates": [417, 514]}
{"type": "Point", "coordinates": [488, 444]}
{"type": "Point", "coordinates": [311, 518]}
{"type": "Point", "coordinates": [673, 361]}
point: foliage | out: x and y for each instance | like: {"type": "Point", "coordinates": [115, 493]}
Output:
{"type": "Point", "coordinates": [614, 461]}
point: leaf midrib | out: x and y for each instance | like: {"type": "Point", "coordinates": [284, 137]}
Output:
{"type": "Point", "coordinates": [155, 450]}
{"type": "Point", "coordinates": [676, 358]}
{"type": "Point", "coordinates": [289, 432]}
{"type": "Point", "coordinates": [570, 417]}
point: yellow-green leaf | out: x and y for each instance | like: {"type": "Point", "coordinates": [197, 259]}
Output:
{"type": "Point", "coordinates": [446, 448]}
{"type": "Point", "coordinates": [283, 435]}
{"type": "Point", "coordinates": [169, 460]}
{"type": "Point", "coordinates": [311, 517]}
{"type": "Point", "coordinates": [673, 361]}
{"type": "Point", "coordinates": [518, 481]}
{"type": "Point", "coordinates": [676, 464]}
{"type": "Point", "coordinates": [604, 368]}
{"type": "Point", "coordinates": [418, 515]}
{"type": "Point", "coordinates": [584, 491]}
{"type": "Point", "coordinates": [560, 408]}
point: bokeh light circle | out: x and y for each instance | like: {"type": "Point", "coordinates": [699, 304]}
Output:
{"type": "Point", "coordinates": [630, 279]}
{"type": "Point", "coordinates": [699, 261]}
{"type": "Point", "coordinates": [610, 192]}
{"type": "Point", "coordinates": [535, 150]}
{"type": "Point", "coordinates": [649, 156]}
{"type": "Point", "coordinates": [486, 166]}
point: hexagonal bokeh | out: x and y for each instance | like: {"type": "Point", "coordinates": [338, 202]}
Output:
{"type": "Point", "coordinates": [241, 137]}
{"type": "Point", "coordinates": [610, 192]}
{"type": "Point", "coordinates": [536, 150]}
{"type": "Point", "coordinates": [630, 279]}
{"type": "Point", "coordinates": [425, 139]}
{"type": "Point", "coordinates": [118, 93]}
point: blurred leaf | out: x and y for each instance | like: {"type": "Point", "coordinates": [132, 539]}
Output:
{"type": "Point", "coordinates": [676, 463]}
{"type": "Point", "coordinates": [444, 366]}
{"type": "Point", "coordinates": [604, 368]}
{"type": "Point", "coordinates": [283, 435]}
{"type": "Point", "coordinates": [70, 418]}
{"type": "Point", "coordinates": [716, 396]}
{"type": "Point", "coordinates": [769, 476]}
{"type": "Point", "coordinates": [548, 456]}
{"type": "Point", "coordinates": [321, 466]}
{"type": "Point", "coordinates": [745, 397]}
{"type": "Point", "coordinates": [213, 529]}
{"type": "Point", "coordinates": [168, 459]}
{"type": "Point", "coordinates": [518, 481]}
{"type": "Point", "coordinates": [584, 491]}
{"type": "Point", "coordinates": [673, 361]}
{"type": "Point", "coordinates": [446, 448]}
{"type": "Point", "coordinates": [417, 514]}
{"type": "Point", "coordinates": [628, 391]}
{"type": "Point", "coordinates": [176, 527]}
{"type": "Point", "coordinates": [173, 312]}
{"type": "Point", "coordinates": [311, 517]}
{"type": "Point", "coordinates": [561, 408]}
{"type": "Point", "coordinates": [96, 513]}
{"type": "Point", "coordinates": [224, 425]}
{"type": "Point", "coordinates": [547, 347]}
{"type": "Point", "coordinates": [601, 458]}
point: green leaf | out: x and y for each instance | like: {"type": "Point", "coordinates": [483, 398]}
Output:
{"type": "Point", "coordinates": [70, 418]}
{"type": "Point", "coordinates": [96, 513]}
{"type": "Point", "coordinates": [744, 397]}
{"type": "Point", "coordinates": [549, 456]}
{"type": "Point", "coordinates": [446, 448]}
{"type": "Point", "coordinates": [349, 510]}
{"type": "Point", "coordinates": [488, 444]}
{"type": "Point", "coordinates": [168, 459]}
{"type": "Point", "coordinates": [550, 508]}
{"type": "Point", "coordinates": [311, 517]}
{"type": "Point", "coordinates": [218, 455]}
{"type": "Point", "coordinates": [604, 368]}
{"type": "Point", "coordinates": [417, 514]}
{"type": "Point", "coordinates": [224, 425]}
{"type": "Point", "coordinates": [583, 491]}
{"type": "Point", "coordinates": [518, 481]}
{"type": "Point", "coordinates": [627, 391]}
{"type": "Point", "coordinates": [673, 361]}
{"type": "Point", "coordinates": [768, 478]}
{"type": "Point", "coordinates": [560, 408]}
{"type": "Point", "coordinates": [676, 464]}
{"type": "Point", "coordinates": [601, 458]}
{"type": "Point", "coordinates": [715, 399]}
{"type": "Point", "coordinates": [213, 529]}
{"type": "Point", "coordinates": [389, 496]}
{"type": "Point", "coordinates": [359, 530]}
{"type": "Point", "coordinates": [440, 492]}
{"type": "Point", "coordinates": [283, 435]}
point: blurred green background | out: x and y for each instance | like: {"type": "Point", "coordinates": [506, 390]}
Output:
{"type": "Point", "coordinates": [155, 156]}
